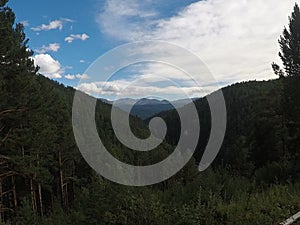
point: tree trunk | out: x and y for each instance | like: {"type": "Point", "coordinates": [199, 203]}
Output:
{"type": "Point", "coordinates": [15, 203]}
{"type": "Point", "coordinates": [33, 197]}
{"type": "Point", "coordinates": [61, 180]}
{"type": "Point", "coordinates": [40, 199]}
{"type": "Point", "coordinates": [73, 186]}
{"type": "Point", "coordinates": [40, 189]}
{"type": "Point", "coordinates": [66, 195]}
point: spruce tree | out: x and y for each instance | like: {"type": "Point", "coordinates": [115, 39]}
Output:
{"type": "Point", "coordinates": [17, 70]}
{"type": "Point", "coordinates": [290, 98]}
{"type": "Point", "coordinates": [290, 46]}
{"type": "Point", "coordinates": [18, 101]}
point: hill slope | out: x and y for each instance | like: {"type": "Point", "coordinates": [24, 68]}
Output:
{"type": "Point", "coordinates": [252, 141]}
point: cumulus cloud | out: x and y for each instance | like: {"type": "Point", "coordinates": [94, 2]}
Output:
{"type": "Point", "coordinates": [55, 24]}
{"type": "Point", "coordinates": [82, 76]}
{"type": "Point", "coordinates": [70, 77]}
{"type": "Point", "coordinates": [78, 76]}
{"type": "Point", "coordinates": [54, 47]}
{"type": "Point", "coordinates": [73, 37]}
{"type": "Point", "coordinates": [137, 82]}
{"type": "Point", "coordinates": [237, 40]}
{"type": "Point", "coordinates": [121, 88]}
{"type": "Point", "coordinates": [49, 67]}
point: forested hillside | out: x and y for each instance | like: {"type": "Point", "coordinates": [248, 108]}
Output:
{"type": "Point", "coordinates": [45, 180]}
{"type": "Point", "coordinates": [254, 140]}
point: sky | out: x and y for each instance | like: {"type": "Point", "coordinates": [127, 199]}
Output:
{"type": "Point", "coordinates": [235, 40]}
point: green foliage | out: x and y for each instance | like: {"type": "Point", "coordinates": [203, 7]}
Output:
{"type": "Point", "coordinates": [290, 93]}
{"type": "Point", "coordinates": [44, 179]}
{"type": "Point", "coordinates": [290, 47]}
{"type": "Point", "coordinates": [25, 215]}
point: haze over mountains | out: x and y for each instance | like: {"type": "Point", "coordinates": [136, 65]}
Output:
{"type": "Point", "coordinates": [145, 108]}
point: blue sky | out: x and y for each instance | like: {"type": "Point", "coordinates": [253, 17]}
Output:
{"type": "Point", "coordinates": [83, 13]}
{"type": "Point", "coordinates": [237, 40]}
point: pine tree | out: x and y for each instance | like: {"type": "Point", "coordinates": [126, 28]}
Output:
{"type": "Point", "coordinates": [17, 87]}
{"type": "Point", "coordinates": [290, 94]}
{"type": "Point", "coordinates": [16, 70]}
{"type": "Point", "coordinates": [290, 46]}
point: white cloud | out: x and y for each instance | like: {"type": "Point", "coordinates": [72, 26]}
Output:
{"type": "Point", "coordinates": [25, 23]}
{"type": "Point", "coordinates": [236, 39]}
{"type": "Point", "coordinates": [129, 20]}
{"type": "Point", "coordinates": [124, 88]}
{"type": "Point", "coordinates": [82, 76]}
{"type": "Point", "coordinates": [73, 37]}
{"type": "Point", "coordinates": [78, 76]}
{"type": "Point", "coordinates": [49, 67]}
{"type": "Point", "coordinates": [54, 47]}
{"type": "Point", "coordinates": [174, 85]}
{"type": "Point", "coordinates": [67, 20]}
{"type": "Point", "coordinates": [82, 61]}
{"type": "Point", "coordinates": [55, 24]}
{"type": "Point", "coordinates": [70, 77]}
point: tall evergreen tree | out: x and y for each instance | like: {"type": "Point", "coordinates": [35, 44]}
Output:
{"type": "Point", "coordinates": [16, 69]}
{"type": "Point", "coordinates": [17, 99]}
{"type": "Point", "coordinates": [290, 46]}
{"type": "Point", "coordinates": [290, 98]}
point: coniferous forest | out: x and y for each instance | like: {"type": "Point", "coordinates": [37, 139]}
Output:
{"type": "Point", "coordinates": [255, 178]}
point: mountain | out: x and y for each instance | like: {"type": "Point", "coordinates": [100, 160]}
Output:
{"type": "Point", "coordinates": [145, 108]}
{"type": "Point", "coordinates": [105, 101]}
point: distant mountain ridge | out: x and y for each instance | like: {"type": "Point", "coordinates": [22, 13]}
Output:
{"type": "Point", "coordinates": [145, 108]}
